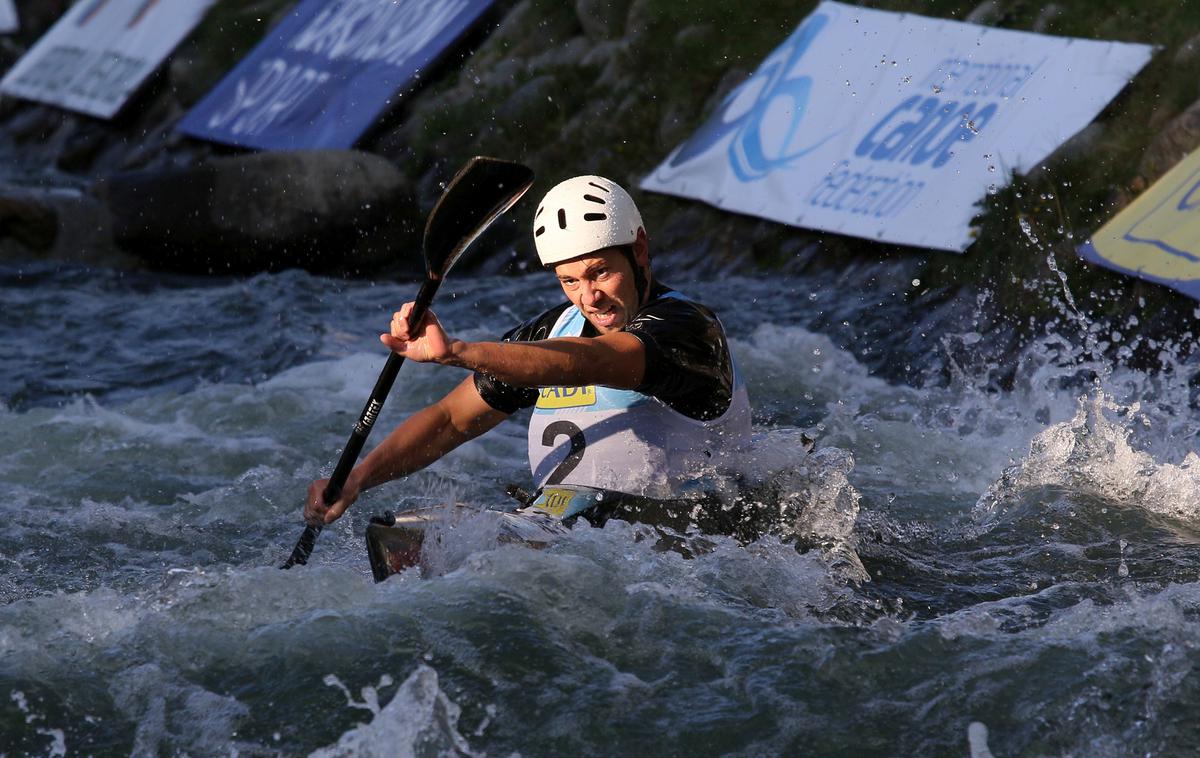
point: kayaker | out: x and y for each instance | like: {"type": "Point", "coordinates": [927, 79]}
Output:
{"type": "Point", "coordinates": [635, 393]}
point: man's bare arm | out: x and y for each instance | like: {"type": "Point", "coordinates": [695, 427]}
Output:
{"type": "Point", "coordinates": [418, 441]}
{"type": "Point", "coordinates": [429, 434]}
{"type": "Point", "coordinates": [614, 360]}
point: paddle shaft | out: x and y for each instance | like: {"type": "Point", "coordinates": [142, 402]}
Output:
{"type": "Point", "coordinates": [366, 421]}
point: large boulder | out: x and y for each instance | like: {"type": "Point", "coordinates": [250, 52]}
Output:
{"type": "Point", "coordinates": [326, 211]}
{"type": "Point", "coordinates": [56, 223]}
{"type": "Point", "coordinates": [27, 220]}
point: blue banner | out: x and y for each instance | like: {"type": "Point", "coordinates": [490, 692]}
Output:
{"type": "Point", "coordinates": [328, 70]}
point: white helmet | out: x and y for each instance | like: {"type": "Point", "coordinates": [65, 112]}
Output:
{"type": "Point", "coordinates": [583, 215]}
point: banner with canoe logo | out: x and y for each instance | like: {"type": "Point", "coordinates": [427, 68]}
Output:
{"type": "Point", "coordinates": [328, 70]}
{"type": "Point", "coordinates": [893, 126]}
{"type": "Point", "coordinates": [97, 55]}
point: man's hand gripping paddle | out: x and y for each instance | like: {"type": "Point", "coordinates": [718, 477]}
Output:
{"type": "Point", "coordinates": [481, 191]}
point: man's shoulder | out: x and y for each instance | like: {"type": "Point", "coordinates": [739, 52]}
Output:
{"type": "Point", "coordinates": [669, 305]}
{"type": "Point", "coordinates": [539, 327]}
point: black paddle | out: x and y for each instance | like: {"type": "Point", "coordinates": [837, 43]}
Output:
{"type": "Point", "coordinates": [481, 191]}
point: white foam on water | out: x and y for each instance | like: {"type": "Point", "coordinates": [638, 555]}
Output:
{"type": "Point", "coordinates": [938, 442]}
{"type": "Point", "coordinates": [419, 720]}
{"type": "Point", "coordinates": [941, 450]}
{"type": "Point", "coordinates": [447, 544]}
{"type": "Point", "coordinates": [58, 739]}
{"type": "Point", "coordinates": [811, 492]}
{"type": "Point", "coordinates": [1091, 454]}
{"type": "Point", "coordinates": [977, 740]}
{"type": "Point", "coordinates": [174, 715]}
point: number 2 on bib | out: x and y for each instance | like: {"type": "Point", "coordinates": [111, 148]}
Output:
{"type": "Point", "coordinates": [574, 456]}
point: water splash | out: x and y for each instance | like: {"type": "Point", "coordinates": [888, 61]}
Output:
{"type": "Point", "coordinates": [419, 720]}
{"type": "Point", "coordinates": [977, 740]}
{"type": "Point", "coordinates": [1091, 455]}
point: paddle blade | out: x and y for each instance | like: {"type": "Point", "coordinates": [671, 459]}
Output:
{"type": "Point", "coordinates": [482, 190]}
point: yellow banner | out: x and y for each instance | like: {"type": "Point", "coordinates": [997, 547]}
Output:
{"type": "Point", "coordinates": [1158, 236]}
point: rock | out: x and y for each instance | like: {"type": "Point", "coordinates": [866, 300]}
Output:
{"type": "Point", "coordinates": [560, 56]}
{"type": "Point", "coordinates": [1188, 51]}
{"type": "Point", "coordinates": [500, 76]}
{"type": "Point", "coordinates": [330, 210]}
{"type": "Point", "coordinates": [696, 37]}
{"type": "Point", "coordinates": [532, 102]}
{"type": "Point", "coordinates": [1179, 138]}
{"type": "Point", "coordinates": [730, 80]}
{"type": "Point", "coordinates": [637, 19]}
{"type": "Point", "coordinates": [26, 219]}
{"type": "Point", "coordinates": [33, 122]}
{"type": "Point", "coordinates": [602, 19]}
{"type": "Point", "coordinates": [62, 224]}
{"type": "Point", "coordinates": [601, 53]}
{"type": "Point", "coordinates": [675, 126]}
{"type": "Point", "coordinates": [1082, 144]}
{"type": "Point", "coordinates": [985, 13]}
{"type": "Point", "coordinates": [619, 70]}
{"type": "Point", "coordinates": [1047, 16]}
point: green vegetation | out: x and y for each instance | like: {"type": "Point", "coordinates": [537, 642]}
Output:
{"type": "Point", "coordinates": [229, 31]}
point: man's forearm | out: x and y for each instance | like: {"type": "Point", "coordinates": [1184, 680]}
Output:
{"type": "Point", "coordinates": [417, 442]}
{"type": "Point", "coordinates": [616, 360]}
{"type": "Point", "coordinates": [427, 435]}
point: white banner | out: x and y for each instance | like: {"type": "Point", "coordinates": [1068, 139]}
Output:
{"type": "Point", "coordinates": [893, 126]}
{"type": "Point", "coordinates": [97, 54]}
{"type": "Point", "coordinates": [8, 17]}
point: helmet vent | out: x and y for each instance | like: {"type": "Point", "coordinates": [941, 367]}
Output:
{"type": "Point", "coordinates": [540, 231]}
{"type": "Point", "coordinates": [594, 216]}
{"type": "Point", "coordinates": [600, 187]}
{"type": "Point", "coordinates": [562, 218]}
{"type": "Point", "coordinates": [593, 199]}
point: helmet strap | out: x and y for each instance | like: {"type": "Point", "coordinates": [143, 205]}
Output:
{"type": "Point", "coordinates": [639, 278]}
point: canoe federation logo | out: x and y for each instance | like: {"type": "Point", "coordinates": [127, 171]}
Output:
{"type": "Point", "coordinates": [754, 112]}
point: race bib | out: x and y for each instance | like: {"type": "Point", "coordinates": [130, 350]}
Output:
{"type": "Point", "coordinates": [566, 397]}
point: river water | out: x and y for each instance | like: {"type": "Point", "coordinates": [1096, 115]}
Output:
{"type": "Point", "coordinates": [963, 567]}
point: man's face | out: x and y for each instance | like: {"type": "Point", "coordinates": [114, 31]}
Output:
{"type": "Point", "coordinates": [601, 285]}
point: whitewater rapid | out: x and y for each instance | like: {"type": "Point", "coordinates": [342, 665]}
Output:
{"type": "Point", "coordinates": [967, 565]}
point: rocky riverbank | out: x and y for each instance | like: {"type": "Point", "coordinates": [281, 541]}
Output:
{"type": "Point", "coordinates": [609, 86]}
